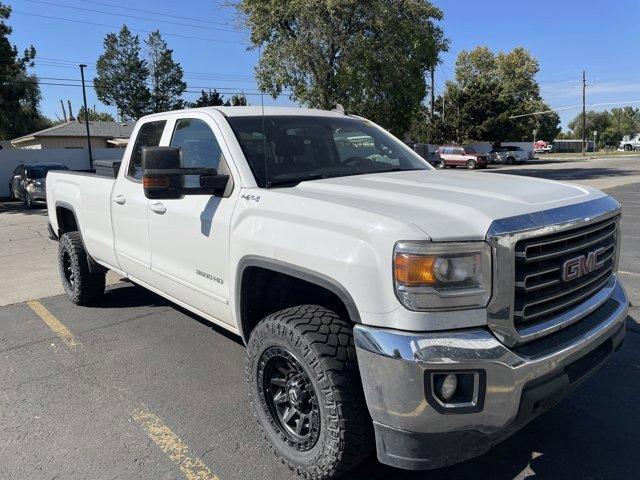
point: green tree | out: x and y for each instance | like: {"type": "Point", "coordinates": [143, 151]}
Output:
{"type": "Point", "coordinates": [208, 99]}
{"type": "Point", "coordinates": [371, 57]}
{"type": "Point", "coordinates": [488, 90]}
{"type": "Point", "coordinates": [122, 75]}
{"type": "Point", "coordinates": [238, 101]}
{"type": "Point", "coordinates": [612, 126]}
{"type": "Point", "coordinates": [19, 91]}
{"type": "Point", "coordinates": [95, 116]}
{"type": "Point", "coordinates": [167, 85]}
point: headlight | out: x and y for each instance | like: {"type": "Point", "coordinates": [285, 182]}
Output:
{"type": "Point", "coordinates": [436, 276]}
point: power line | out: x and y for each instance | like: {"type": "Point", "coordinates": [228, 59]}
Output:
{"type": "Point", "coordinates": [131, 16]}
{"type": "Point", "coordinates": [190, 89]}
{"type": "Point", "coordinates": [105, 4]}
{"type": "Point", "coordinates": [132, 29]}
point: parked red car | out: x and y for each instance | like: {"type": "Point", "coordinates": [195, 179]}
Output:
{"type": "Point", "coordinates": [455, 156]}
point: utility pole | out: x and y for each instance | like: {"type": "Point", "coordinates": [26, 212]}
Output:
{"type": "Point", "coordinates": [584, 110]}
{"type": "Point", "coordinates": [86, 115]}
{"type": "Point", "coordinates": [433, 90]}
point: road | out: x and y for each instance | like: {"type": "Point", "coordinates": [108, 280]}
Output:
{"type": "Point", "coordinates": [136, 387]}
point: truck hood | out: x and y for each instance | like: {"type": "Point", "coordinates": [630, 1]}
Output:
{"type": "Point", "coordinates": [446, 205]}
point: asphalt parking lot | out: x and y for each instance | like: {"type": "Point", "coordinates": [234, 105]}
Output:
{"type": "Point", "coordinates": [136, 387]}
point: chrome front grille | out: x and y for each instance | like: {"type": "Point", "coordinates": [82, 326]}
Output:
{"type": "Point", "coordinates": [541, 293]}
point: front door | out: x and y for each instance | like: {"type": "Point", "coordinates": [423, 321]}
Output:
{"type": "Point", "coordinates": [129, 208]}
{"type": "Point", "coordinates": [190, 236]}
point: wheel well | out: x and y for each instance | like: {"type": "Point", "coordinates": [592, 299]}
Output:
{"type": "Point", "coordinates": [264, 291]}
{"type": "Point", "coordinates": [66, 220]}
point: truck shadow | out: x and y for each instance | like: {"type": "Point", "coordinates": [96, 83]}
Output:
{"type": "Point", "coordinates": [127, 294]}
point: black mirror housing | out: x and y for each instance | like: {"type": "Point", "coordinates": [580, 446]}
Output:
{"type": "Point", "coordinates": [163, 175]}
{"type": "Point", "coordinates": [159, 166]}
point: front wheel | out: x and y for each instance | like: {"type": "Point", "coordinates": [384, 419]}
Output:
{"type": "Point", "coordinates": [628, 148]}
{"type": "Point", "coordinates": [81, 286]}
{"type": "Point", "coordinates": [306, 392]}
{"type": "Point", "coordinates": [28, 201]}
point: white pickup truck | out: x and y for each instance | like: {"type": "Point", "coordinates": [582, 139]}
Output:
{"type": "Point", "coordinates": [384, 304]}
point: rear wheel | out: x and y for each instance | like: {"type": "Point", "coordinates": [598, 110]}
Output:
{"type": "Point", "coordinates": [81, 286]}
{"type": "Point", "coordinates": [306, 392]}
{"type": "Point", "coordinates": [628, 148]}
{"type": "Point", "coordinates": [442, 164]}
{"type": "Point", "coordinates": [471, 164]}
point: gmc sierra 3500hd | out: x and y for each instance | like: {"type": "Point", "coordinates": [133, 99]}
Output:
{"type": "Point", "coordinates": [383, 303]}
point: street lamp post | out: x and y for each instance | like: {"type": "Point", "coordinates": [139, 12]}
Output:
{"type": "Point", "coordinates": [86, 115]}
{"type": "Point", "coordinates": [595, 134]}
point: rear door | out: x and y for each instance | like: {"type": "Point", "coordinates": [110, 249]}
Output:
{"type": "Point", "coordinates": [459, 156]}
{"type": "Point", "coordinates": [190, 236]}
{"type": "Point", "coordinates": [129, 207]}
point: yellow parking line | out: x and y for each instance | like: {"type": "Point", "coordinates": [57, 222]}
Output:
{"type": "Point", "coordinates": [54, 324]}
{"type": "Point", "coordinates": [172, 446]}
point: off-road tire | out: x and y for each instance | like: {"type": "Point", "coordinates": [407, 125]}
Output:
{"type": "Point", "coordinates": [471, 164]}
{"type": "Point", "coordinates": [323, 345]}
{"type": "Point", "coordinates": [85, 287]}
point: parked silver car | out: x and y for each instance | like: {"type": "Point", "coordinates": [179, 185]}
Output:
{"type": "Point", "coordinates": [28, 182]}
{"type": "Point", "coordinates": [507, 155]}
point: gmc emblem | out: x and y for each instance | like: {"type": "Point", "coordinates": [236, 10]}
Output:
{"type": "Point", "coordinates": [579, 266]}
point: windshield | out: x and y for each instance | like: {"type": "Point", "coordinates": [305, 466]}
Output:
{"type": "Point", "coordinates": [40, 171]}
{"type": "Point", "coordinates": [297, 148]}
{"type": "Point", "coordinates": [469, 150]}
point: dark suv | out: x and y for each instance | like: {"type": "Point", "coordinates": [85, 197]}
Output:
{"type": "Point", "coordinates": [454, 156]}
{"type": "Point", "coordinates": [28, 181]}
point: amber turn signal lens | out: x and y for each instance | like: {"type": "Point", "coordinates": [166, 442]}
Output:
{"type": "Point", "coordinates": [414, 269]}
{"type": "Point", "coordinates": [158, 182]}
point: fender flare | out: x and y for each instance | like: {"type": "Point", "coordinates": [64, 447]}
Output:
{"type": "Point", "coordinates": [295, 271]}
{"type": "Point", "coordinates": [94, 267]}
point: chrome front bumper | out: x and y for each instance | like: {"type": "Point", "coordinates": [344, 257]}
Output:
{"type": "Point", "coordinates": [396, 368]}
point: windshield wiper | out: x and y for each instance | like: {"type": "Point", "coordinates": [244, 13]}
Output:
{"type": "Point", "coordinates": [293, 181]}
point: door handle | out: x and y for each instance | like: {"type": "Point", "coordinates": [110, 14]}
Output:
{"type": "Point", "coordinates": [120, 199]}
{"type": "Point", "coordinates": [158, 208]}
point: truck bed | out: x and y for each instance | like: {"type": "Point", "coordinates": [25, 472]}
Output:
{"type": "Point", "coordinates": [89, 197]}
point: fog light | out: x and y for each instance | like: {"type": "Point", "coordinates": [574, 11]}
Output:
{"type": "Point", "coordinates": [448, 387]}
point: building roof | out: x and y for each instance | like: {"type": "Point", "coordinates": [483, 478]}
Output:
{"type": "Point", "coordinates": [78, 129]}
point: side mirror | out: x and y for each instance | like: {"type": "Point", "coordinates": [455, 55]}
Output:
{"type": "Point", "coordinates": [159, 172]}
{"type": "Point", "coordinates": [163, 176]}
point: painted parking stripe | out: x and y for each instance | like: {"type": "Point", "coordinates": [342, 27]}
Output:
{"type": "Point", "coordinates": [54, 324]}
{"type": "Point", "coordinates": [631, 274]}
{"type": "Point", "coordinates": [192, 467]}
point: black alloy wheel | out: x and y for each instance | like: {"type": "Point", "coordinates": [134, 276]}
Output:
{"type": "Point", "coordinates": [289, 399]}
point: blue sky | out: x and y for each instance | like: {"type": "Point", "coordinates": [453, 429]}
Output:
{"type": "Point", "coordinates": [566, 37]}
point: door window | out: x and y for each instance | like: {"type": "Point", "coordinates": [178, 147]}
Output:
{"type": "Point", "coordinates": [199, 147]}
{"type": "Point", "coordinates": [149, 136]}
